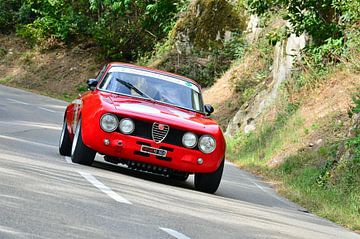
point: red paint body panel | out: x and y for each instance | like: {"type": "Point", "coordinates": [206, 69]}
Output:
{"type": "Point", "coordinates": [93, 104]}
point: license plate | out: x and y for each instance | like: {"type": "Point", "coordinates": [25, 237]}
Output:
{"type": "Point", "coordinates": [154, 151]}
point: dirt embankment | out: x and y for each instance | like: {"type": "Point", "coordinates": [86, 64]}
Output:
{"type": "Point", "coordinates": [53, 69]}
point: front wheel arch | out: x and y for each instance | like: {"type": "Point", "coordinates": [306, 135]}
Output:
{"type": "Point", "coordinates": [80, 153]}
{"type": "Point", "coordinates": [65, 141]}
{"type": "Point", "coordinates": [209, 182]}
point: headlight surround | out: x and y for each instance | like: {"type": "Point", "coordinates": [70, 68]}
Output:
{"type": "Point", "coordinates": [207, 144]}
{"type": "Point", "coordinates": [189, 140]}
{"type": "Point", "coordinates": [109, 122]}
{"type": "Point", "coordinates": [127, 126]}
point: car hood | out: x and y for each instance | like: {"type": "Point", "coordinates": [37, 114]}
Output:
{"type": "Point", "coordinates": [161, 113]}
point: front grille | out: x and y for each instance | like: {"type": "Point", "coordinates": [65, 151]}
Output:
{"type": "Point", "coordinates": [159, 132]}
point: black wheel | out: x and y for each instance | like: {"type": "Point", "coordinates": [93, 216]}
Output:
{"type": "Point", "coordinates": [80, 153]}
{"type": "Point", "coordinates": [209, 182]}
{"type": "Point", "coordinates": [65, 141]}
{"type": "Point", "coordinates": [179, 176]}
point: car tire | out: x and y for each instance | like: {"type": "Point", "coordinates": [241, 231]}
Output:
{"type": "Point", "coordinates": [209, 182]}
{"type": "Point", "coordinates": [65, 141]}
{"type": "Point", "coordinates": [80, 153]}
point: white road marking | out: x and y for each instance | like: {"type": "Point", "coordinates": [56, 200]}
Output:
{"type": "Point", "coordinates": [27, 141]}
{"type": "Point", "coordinates": [60, 107]}
{"type": "Point", "coordinates": [264, 190]}
{"type": "Point", "coordinates": [31, 124]}
{"type": "Point", "coordinates": [42, 108]}
{"type": "Point", "coordinates": [272, 195]}
{"type": "Point", "coordinates": [89, 177]}
{"type": "Point", "coordinates": [8, 230]}
{"type": "Point", "coordinates": [17, 102]}
{"type": "Point", "coordinates": [103, 188]}
{"type": "Point", "coordinates": [174, 233]}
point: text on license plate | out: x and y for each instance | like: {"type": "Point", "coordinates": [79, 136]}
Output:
{"type": "Point", "coordinates": [154, 151]}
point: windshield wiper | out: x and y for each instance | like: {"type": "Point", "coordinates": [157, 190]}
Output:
{"type": "Point", "coordinates": [132, 87]}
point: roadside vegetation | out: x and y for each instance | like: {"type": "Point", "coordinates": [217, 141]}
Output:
{"type": "Point", "coordinates": [143, 32]}
{"type": "Point", "coordinates": [306, 150]}
{"type": "Point", "coordinates": [104, 23]}
{"type": "Point", "coordinates": [53, 46]}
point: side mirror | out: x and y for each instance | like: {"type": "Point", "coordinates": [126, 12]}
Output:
{"type": "Point", "coordinates": [92, 83]}
{"type": "Point", "coordinates": [208, 109]}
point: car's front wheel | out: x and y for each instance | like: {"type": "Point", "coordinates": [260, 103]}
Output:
{"type": "Point", "coordinates": [65, 141]}
{"type": "Point", "coordinates": [209, 182]}
{"type": "Point", "coordinates": [80, 153]}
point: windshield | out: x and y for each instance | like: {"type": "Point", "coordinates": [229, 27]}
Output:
{"type": "Point", "coordinates": [153, 86]}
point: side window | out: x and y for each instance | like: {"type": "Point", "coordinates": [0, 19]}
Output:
{"type": "Point", "coordinates": [101, 73]}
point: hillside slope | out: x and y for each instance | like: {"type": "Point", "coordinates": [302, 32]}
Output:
{"type": "Point", "coordinates": [300, 140]}
{"type": "Point", "coordinates": [60, 71]}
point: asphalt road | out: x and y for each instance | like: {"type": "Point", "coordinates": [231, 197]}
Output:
{"type": "Point", "coordinates": [44, 195]}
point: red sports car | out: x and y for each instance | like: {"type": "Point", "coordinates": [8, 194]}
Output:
{"type": "Point", "coordinates": [149, 120]}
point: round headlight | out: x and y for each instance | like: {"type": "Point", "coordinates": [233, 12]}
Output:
{"type": "Point", "coordinates": [207, 144]}
{"type": "Point", "coordinates": [189, 140]}
{"type": "Point", "coordinates": [109, 122]}
{"type": "Point", "coordinates": [127, 126]}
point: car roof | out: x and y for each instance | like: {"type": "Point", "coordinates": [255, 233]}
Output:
{"type": "Point", "coordinates": [154, 70]}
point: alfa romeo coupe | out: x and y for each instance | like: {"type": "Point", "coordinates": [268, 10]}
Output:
{"type": "Point", "coordinates": [147, 120]}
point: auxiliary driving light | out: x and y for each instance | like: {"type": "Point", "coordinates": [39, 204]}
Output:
{"type": "Point", "coordinates": [106, 142]}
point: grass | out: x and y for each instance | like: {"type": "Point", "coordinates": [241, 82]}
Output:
{"type": "Point", "coordinates": [6, 79]}
{"type": "Point", "coordinates": [257, 148]}
{"type": "Point", "coordinates": [27, 56]}
{"type": "Point", "coordinates": [316, 178]}
{"type": "Point", "coordinates": [309, 177]}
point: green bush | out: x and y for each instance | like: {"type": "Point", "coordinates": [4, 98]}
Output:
{"type": "Point", "coordinates": [56, 19]}
{"type": "Point", "coordinates": [123, 29]}
{"type": "Point", "coordinates": [322, 19]}
{"type": "Point", "coordinates": [329, 52]}
{"type": "Point", "coordinates": [8, 15]}
{"type": "Point", "coordinates": [127, 29]}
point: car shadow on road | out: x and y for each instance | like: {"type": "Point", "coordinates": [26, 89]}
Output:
{"type": "Point", "coordinates": [236, 185]}
{"type": "Point", "coordinates": [143, 175]}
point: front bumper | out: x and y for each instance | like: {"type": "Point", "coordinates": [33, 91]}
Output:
{"type": "Point", "coordinates": [128, 147]}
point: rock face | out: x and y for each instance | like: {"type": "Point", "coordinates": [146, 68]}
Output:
{"type": "Point", "coordinates": [253, 28]}
{"type": "Point", "coordinates": [345, 153]}
{"type": "Point", "coordinates": [205, 20]}
{"type": "Point", "coordinates": [355, 125]}
{"type": "Point", "coordinates": [285, 53]}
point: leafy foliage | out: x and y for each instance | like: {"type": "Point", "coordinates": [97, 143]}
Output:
{"type": "Point", "coordinates": [322, 19]}
{"type": "Point", "coordinates": [122, 28]}
{"type": "Point", "coordinates": [128, 28]}
{"type": "Point", "coordinates": [8, 14]}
